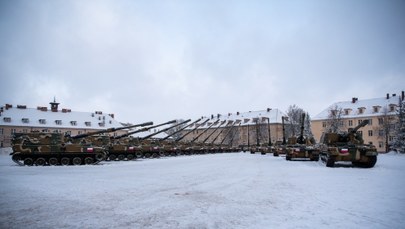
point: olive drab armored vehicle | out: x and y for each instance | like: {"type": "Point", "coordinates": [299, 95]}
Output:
{"type": "Point", "coordinates": [126, 147]}
{"type": "Point", "coordinates": [38, 148]}
{"type": "Point", "coordinates": [302, 147]}
{"type": "Point", "coordinates": [348, 147]}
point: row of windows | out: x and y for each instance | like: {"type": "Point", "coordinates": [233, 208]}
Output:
{"type": "Point", "coordinates": [13, 131]}
{"type": "Point", "coordinates": [361, 110]}
{"type": "Point", "coordinates": [57, 122]}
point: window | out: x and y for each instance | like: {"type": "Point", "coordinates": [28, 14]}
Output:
{"type": "Point", "coordinates": [25, 120]}
{"type": "Point", "coordinates": [1, 130]}
{"type": "Point", "coordinates": [360, 133]}
{"type": "Point", "coordinates": [347, 111]}
{"type": "Point", "coordinates": [341, 123]}
{"type": "Point", "coordinates": [360, 121]}
{"type": "Point", "coordinates": [380, 121]}
{"type": "Point", "coordinates": [370, 133]}
{"type": "Point", "coordinates": [350, 122]}
{"type": "Point", "coordinates": [370, 122]}
{"type": "Point", "coordinates": [7, 119]}
{"type": "Point", "coordinates": [390, 138]}
{"type": "Point", "coordinates": [381, 133]}
{"type": "Point", "coordinates": [101, 124]}
{"type": "Point", "coordinates": [380, 144]}
{"type": "Point", "coordinates": [361, 110]}
{"type": "Point", "coordinates": [392, 108]}
{"type": "Point", "coordinates": [42, 121]}
{"type": "Point", "coordinates": [73, 123]}
{"type": "Point", "coordinates": [58, 122]}
{"type": "Point", "coordinates": [13, 131]}
{"type": "Point", "coordinates": [79, 132]}
{"type": "Point", "coordinates": [376, 109]}
{"type": "Point", "coordinates": [25, 131]}
{"type": "Point", "coordinates": [323, 124]}
{"type": "Point", "coordinates": [87, 123]}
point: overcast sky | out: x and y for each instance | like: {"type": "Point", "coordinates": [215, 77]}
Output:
{"type": "Point", "coordinates": [161, 60]}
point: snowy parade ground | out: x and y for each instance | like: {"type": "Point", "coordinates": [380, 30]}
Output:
{"type": "Point", "coordinates": [234, 190]}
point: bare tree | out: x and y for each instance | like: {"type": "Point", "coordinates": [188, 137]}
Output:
{"type": "Point", "coordinates": [399, 138]}
{"type": "Point", "coordinates": [294, 119]}
{"type": "Point", "coordinates": [334, 123]}
{"type": "Point", "coordinates": [385, 128]}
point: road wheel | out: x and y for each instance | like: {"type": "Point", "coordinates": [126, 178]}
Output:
{"type": "Point", "coordinates": [121, 157]}
{"type": "Point", "coordinates": [330, 162]}
{"type": "Point", "coordinates": [100, 157]}
{"type": "Point", "coordinates": [53, 161]}
{"type": "Point", "coordinates": [64, 161]}
{"type": "Point", "coordinates": [130, 157]}
{"type": "Point", "coordinates": [40, 161]}
{"type": "Point", "coordinates": [372, 160]}
{"type": "Point", "coordinates": [112, 157]}
{"type": "Point", "coordinates": [148, 155]}
{"type": "Point", "coordinates": [275, 154]}
{"type": "Point", "coordinates": [88, 161]}
{"type": "Point", "coordinates": [288, 158]}
{"type": "Point", "coordinates": [28, 161]}
{"type": "Point", "coordinates": [77, 161]}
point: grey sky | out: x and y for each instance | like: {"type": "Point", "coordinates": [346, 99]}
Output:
{"type": "Point", "coordinates": [159, 60]}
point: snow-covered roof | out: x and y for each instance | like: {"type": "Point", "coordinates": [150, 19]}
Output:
{"type": "Point", "coordinates": [43, 117]}
{"type": "Point", "coordinates": [356, 108]}
{"type": "Point", "coordinates": [245, 118]}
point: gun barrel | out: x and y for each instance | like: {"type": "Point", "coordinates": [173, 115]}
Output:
{"type": "Point", "coordinates": [181, 129]}
{"type": "Point", "coordinates": [109, 130]}
{"type": "Point", "coordinates": [168, 128]}
{"type": "Point", "coordinates": [191, 130]}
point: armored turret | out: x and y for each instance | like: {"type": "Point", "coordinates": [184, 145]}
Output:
{"type": "Point", "coordinates": [348, 147]}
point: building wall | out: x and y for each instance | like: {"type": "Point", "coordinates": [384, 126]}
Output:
{"type": "Point", "coordinates": [240, 134]}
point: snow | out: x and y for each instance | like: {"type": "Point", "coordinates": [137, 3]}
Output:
{"type": "Point", "coordinates": [234, 190]}
{"type": "Point", "coordinates": [368, 104]}
{"type": "Point", "coordinates": [34, 115]}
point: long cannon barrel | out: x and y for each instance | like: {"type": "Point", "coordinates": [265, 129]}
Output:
{"type": "Point", "coordinates": [214, 131]}
{"type": "Point", "coordinates": [166, 129]}
{"type": "Point", "coordinates": [217, 135]}
{"type": "Point", "coordinates": [191, 130]}
{"type": "Point", "coordinates": [284, 140]}
{"type": "Point", "coordinates": [143, 129]}
{"type": "Point", "coordinates": [362, 124]}
{"type": "Point", "coordinates": [233, 137]}
{"type": "Point", "coordinates": [229, 131]}
{"type": "Point", "coordinates": [204, 131]}
{"type": "Point", "coordinates": [168, 136]}
{"type": "Point", "coordinates": [301, 137]}
{"type": "Point", "coordinates": [110, 130]}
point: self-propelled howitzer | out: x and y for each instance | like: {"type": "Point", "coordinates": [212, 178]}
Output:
{"type": "Point", "coordinates": [348, 147]}
{"type": "Point", "coordinates": [125, 147]}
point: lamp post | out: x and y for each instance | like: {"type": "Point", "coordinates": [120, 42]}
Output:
{"type": "Point", "coordinates": [282, 119]}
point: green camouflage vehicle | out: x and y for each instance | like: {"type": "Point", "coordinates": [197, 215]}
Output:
{"type": "Point", "coordinates": [348, 147]}
{"type": "Point", "coordinates": [302, 147]}
{"type": "Point", "coordinates": [53, 149]}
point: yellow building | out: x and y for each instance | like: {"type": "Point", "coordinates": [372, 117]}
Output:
{"type": "Point", "coordinates": [381, 113]}
{"type": "Point", "coordinates": [240, 128]}
{"type": "Point", "coordinates": [20, 119]}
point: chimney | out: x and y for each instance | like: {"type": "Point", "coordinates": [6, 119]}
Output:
{"type": "Point", "coordinates": [393, 95]}
{"type": "Point", "coordinates": [212, 116]}
{"type": "Point", "coordinates": [268, 109]}
{"type": "Point", "coordinates": [54, 105]}
{"type": "Point", "coordinates": [237, 113]}
{"type": "Point", "coordinates": [353, 100]}
{"type": "Point", "coordinates": [388, 95]}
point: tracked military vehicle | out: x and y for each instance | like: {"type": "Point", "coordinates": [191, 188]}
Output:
{"type": "Point", "coordinates": [127, 147]}
{"type": "Point", "coordinates": [302, 147]}
{"type": "Point", "coordinates": [40, 149]}
{"type": "Point", "coordinates": [348, 147]}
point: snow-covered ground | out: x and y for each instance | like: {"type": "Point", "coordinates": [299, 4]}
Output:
{"type": "Point", "coordinates": [237, 190]}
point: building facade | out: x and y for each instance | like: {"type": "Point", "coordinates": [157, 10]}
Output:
{"type": "Point", "coordinates": [248, 128]}
{"type": "Point", "coordinates": [20, 119]}
{"type": "Point", "coordinates": [381, 113]}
